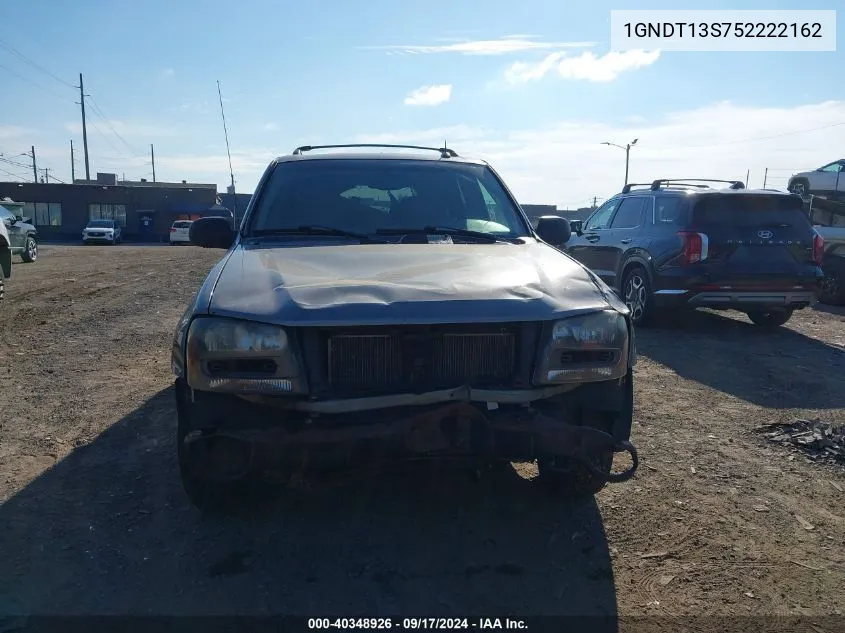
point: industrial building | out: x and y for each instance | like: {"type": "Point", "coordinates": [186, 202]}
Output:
{"type": "Point", "coordinates": [144, 209]}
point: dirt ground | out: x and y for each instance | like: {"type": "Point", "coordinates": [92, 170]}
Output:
{"type": "Point", "coordinates": [93, 519]}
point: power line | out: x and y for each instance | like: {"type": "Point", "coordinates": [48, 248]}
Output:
{"type": "Point", "coordinates": [33, 83]}
{"type": "Point", "coordinates": [35, 65]}
{"type": "Point", "coordinates": [761, 138]}
{"type": "Point", "coordinates": [8, 173]}
{"type": "Point", "coordinates": [99, 112]}
{"type": "Point", "coordinates": [11, 162]}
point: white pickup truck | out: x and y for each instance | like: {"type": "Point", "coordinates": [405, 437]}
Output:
{"type": "Point", "coordinates": [828, 219]}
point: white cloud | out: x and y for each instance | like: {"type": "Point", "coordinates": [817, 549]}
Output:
{"type": "Point", "coordinates": [13, 131]}
{"type": "Point", "coordinates": [500, 46]}
{"type": "Point", "coordinates": [565, 163]}
{"type": "Point", "coordinates": [271, 127]}
{"type": "Point", "coordinates": [429, 95]}
{"type": "Point", "coordinates": [586, 66]}
{"type": "Point", "coordinates": [168, 72]}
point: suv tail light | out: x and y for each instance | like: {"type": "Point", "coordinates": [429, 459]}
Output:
{"type": "Point", "coordinates": [818, 249]}
{"type": "Point", "coordinates": [695, 247]}
{"type": "Point", "coordinates": [172, 229]}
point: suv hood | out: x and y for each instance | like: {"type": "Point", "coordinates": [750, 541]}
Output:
{"type": "Point", "coordinates": [374, 284]}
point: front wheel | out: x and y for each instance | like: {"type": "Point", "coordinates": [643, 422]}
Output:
{"type": "Point", "coordinates": [572, 479]}
{"type": "Point", "coordinates": [30, 251]}
{"type": "Point", "coordinates": [2, 287]}
{"type": "Point", "coordinates": [770, 318]}
{"type": "Point", "coordinates": [800, 186]}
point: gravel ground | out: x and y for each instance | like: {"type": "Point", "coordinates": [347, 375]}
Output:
{"type": "Point", "coordinates": [718, 522]}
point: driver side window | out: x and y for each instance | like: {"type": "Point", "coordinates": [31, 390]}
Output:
{"type": "Point", "coordinates": [601, 218]}
{"type": "Point", "coordinates": [832, 168]}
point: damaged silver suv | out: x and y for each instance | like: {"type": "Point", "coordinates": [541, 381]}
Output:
{"type": "Point", "coordinates": [378, 305]}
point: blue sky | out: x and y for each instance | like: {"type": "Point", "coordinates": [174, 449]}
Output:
{"type": "Point", "coordinates": [531, 86]}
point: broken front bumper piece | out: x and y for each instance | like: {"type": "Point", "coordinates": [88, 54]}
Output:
{"type": "Point", "coordinates": [451, 430]}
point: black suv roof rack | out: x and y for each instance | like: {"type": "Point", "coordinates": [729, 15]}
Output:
{"type": "Point", "coordinates": [445, 152]}
{"type": "Point", "coordinates": [692, 182]}
{"type": "Point", "coordinates": [627, 188]}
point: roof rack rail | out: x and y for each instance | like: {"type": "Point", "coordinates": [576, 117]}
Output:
{"type": "Point", "coordinates": [445, 152]}
{"type": "Point", "coordinates": [690, 182]}
{"type": "Point", "coordinates": [627, 188]}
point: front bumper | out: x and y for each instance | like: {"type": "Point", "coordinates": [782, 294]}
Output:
{"type": "Point", "coordinates": [98, 238]}
{"type": "Point", "coordinates": [279, 441]}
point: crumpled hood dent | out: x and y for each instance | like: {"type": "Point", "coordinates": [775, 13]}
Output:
{"type": "Point", "coordinates": [376, 284]}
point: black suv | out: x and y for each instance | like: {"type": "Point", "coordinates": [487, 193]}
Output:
{"type": "Point", "coordinates": [686, 244]}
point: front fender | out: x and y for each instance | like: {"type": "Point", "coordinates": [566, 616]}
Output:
{"type": "Point", "coordinates": [6, 260]}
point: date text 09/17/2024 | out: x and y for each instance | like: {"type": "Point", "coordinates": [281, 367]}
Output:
{"type": "Point", "coordinates": [412, 624]}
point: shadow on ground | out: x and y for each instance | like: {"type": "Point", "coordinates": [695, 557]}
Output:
{"type": "Point", "coordinates": [108, 530]}
{"type": "Point", "coordinates": [829, 309]}
{"type": "Point", "coordinates": [779, 368]}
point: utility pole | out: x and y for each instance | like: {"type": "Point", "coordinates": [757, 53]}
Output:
{"type": "Point", "coordinates": [765, 177]}
{"type": "Point", "coordinates": [72, 166]}
{"type": "Point", "coordinates": [47, 174]}
{"type": "Point", "coordinates": [34, 168]}
{"type": "Point", "coordinates": [153, 159]}
{"type": "Point", "coordinates": [747, 177]}
{"type": "Point", "coordinates": [84, 128]}
{"type": "Point", "coordinates": [594, 202]}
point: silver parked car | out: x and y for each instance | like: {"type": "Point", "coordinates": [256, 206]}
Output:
{"type": "Point", "coordinates": [391, 305]}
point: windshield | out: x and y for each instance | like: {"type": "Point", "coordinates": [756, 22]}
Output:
{"type": "Point", "coordinates": [101, 224]}
{"type": "Point", "coordinates": [370, 195]}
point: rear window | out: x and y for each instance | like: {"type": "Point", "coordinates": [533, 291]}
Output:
{"type": "Point", "coordinates": [749, 211]}
{"type": "Point", "coordinates": [181, 225]}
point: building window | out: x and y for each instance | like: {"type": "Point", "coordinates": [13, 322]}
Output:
{"type": "Point", "coordinates": [44, 213]}
{"type": "Point", "coordinates": [108, 212]}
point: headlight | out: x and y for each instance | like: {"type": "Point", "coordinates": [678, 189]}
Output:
{"type": "Point", "coordinates": [229, 355]}
{"type": "Point", "coordinates": [585, 348]}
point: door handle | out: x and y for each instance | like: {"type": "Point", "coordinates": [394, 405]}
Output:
{"type": "Point", "coordinates": [627, 240]}
{"type": "Point", "coordinates": [592, 237]}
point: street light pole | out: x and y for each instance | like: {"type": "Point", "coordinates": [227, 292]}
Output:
{"type": "Point", "coordinates": [627, 149]}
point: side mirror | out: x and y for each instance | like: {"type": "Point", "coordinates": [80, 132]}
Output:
{"type": "Point", "coordinates": [212, 233]}
{"type": "Point", "coordinates": [26, 220]}
{"type": "Point", "coordinates": [554, 230]}
{"type": "Point", "coordinates": [577, 226]}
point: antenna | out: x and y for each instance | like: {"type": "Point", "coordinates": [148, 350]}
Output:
{"type": "Point", "coordinates": [228, 153]}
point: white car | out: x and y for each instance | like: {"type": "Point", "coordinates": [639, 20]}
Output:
{"type": "Point", "coordinates": [102, 232]}
{"type": "Point", "coordinates": [829, 179]}
{"type": "Point", "coordinates": [180, 231]}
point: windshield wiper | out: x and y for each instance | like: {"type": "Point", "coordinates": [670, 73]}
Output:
{"type": "Point", "coordinates": [446, 230]}
{"type": "Point", "coordinates": [315, 229]}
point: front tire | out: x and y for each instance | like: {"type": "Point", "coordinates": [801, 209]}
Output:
{"type": "Point", "coordinates": [30, 251]}
{"type": "Point", "coordinates": [770, 318]}
{"type": "Point", "coordinates": [636, 293]}
{"type": "Point", "coordinates": [800, 186]}
{"type": "Point", "coordinates": [2, 288]}
{"type": "Point", "coordinates": [207, 495]}
{"type": "Point", "coordinates": [570, 478]}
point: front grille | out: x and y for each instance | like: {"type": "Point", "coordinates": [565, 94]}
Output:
{"type": "Point", "coordinates": [410, 359]}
